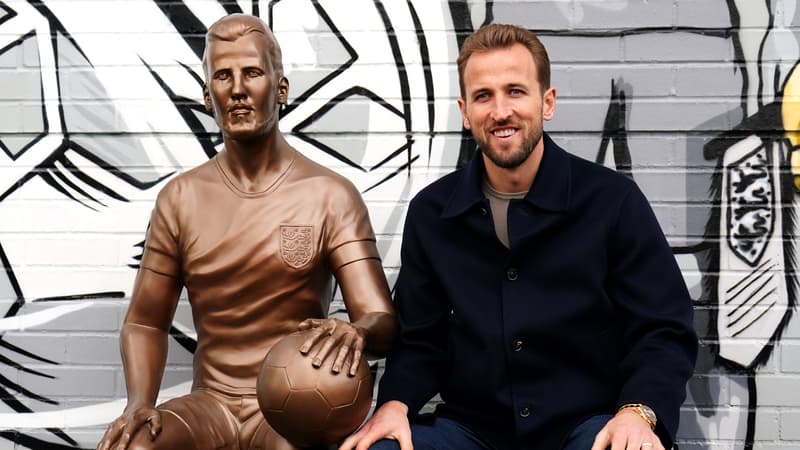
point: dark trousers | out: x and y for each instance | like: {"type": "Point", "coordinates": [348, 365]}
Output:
{"type": "Point", "coordinates": [445, 434]}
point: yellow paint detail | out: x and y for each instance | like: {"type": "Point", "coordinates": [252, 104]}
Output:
{"type": "Point", "coordinates": [790, 116]}
{"type": "Point", "coordinates": [790, 109]}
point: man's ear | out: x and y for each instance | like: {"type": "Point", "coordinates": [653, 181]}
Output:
{"type": "Point", "coordinates": [549, 103]}
{"type": "Point", "coordinates": [207, 99]}
{"type": "Point", "coordinates": [463, 108]}
{"type": "Point", "coordinates": [283, 91]}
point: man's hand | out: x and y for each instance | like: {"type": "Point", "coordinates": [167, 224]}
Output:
{"type": "Point", "coordinates": [627, 431]}
{"type": "Point", "coordinates": [349, 338]}
{"type": "Point", "coordinates": [390, 421]}
{"type": "Point", "coordinates": [121, 431]}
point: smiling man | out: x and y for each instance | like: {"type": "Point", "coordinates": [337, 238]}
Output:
{"type": "Point", "coordinates": [254, 236]}
{"type": "Point", "coordinates": [537, 294]}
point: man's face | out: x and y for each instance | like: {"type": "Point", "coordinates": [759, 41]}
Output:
{"type": "Point", "coordinates": [243, 90]}
{"type": "Point", "coordinates": [503, 104]}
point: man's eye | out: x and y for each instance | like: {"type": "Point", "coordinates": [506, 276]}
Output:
{"type": "Point", "coordinates": [482, 96]}
{"type": "Point", "coordinates": [222, 76]}
{"type": "Point", "coordinates": [253, 73]}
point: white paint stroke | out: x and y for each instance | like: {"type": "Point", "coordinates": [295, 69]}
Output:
{"type": "Point", "coordinates": [25, 321]}
{"type": "Point", "coordinates": [83, 416]}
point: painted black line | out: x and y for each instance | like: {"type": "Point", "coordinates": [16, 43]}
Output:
{"type": "Point", "coordinates": [79, 174]}
{"type": "Point", "coordinates": [188, 25]}
{"type": "Point", "coordinates": [73, 297]}
{"type": "Point", "coordinates": [12, 279]}
{"type": "Point", "coordinates": [393, 174]}
{"type": "Point", "coordinates": [757, 272]}
{"type": "Point", "coordinates": [400, 150]}
{"type": "Point", "coordinates": [750, 296]}
{"type": "Point", "coordinates": [114, 170]}
{"type": "Point", "coordinates": [427, 74]}
{"type": "Point", "coordinates": [26, 353]}
{"type": "Point", "coordinates": [766, 310]}
{"type": "Point", "coordinates": [335, 73]}
{"type": "Point", "coordinates": [25, 392]}
{"type": "Point", "coordinates": [48, 178]}
{"type": "Point", "coordinates": [405, 90]}
{"type": "Point", "coordinates": [10, 362]}
{"type": "Point", "coordinates": [355, 90]}
{"type": "Point", "coordinates": [753, 307]}
{"type": "Point", "coordinates": [39, 444]}
{"type": "Point", "coordinates": [186, 108]}
{"type": "Point", "coordinates": [183, 339]}
{"type": "Point", "coordinates": [69, 183]}
{"type": "Point", "coordinates": [10, 13]}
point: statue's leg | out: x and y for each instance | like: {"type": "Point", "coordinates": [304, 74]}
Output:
{"type": "Point", "coordinates": [197, 421]}
{"type": "Point", "coordinates": [174, 434]}
{"type": "Point", "coordinates": [265, 438]}
{"type": "Point", "coordinates": [255, 432]}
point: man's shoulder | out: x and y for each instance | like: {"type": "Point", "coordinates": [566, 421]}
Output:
{"type": "Point", "coordinates": [442, 186]}
{"type": "Point", "coordinates": [434, 197]}
{"type": "Point", "coordinates": [596, 179]}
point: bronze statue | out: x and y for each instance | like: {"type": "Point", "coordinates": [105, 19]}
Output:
{"type": "Point", "coordinates": [254, 235]}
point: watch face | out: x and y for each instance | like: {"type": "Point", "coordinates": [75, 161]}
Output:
{"type": "Point", "coordinates": [648, 414]}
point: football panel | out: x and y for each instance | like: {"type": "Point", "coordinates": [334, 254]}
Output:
{"type": "Point", "coordinates": [308, 409]}
{"type": "Point", "coordinates": [272, 388]}
{"type": "Point", "coordinates": [344, 420]}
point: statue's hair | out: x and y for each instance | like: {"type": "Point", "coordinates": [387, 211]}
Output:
{"type": "Point", "coordinates": [235, 26]}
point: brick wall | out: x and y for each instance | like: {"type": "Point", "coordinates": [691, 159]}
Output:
{"type": "Point", "coordinates": [100, 104]}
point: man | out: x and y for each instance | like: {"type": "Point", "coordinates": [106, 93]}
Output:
{"type": "Point", "coordinates": [254, 236]}
{"type": "Point", "coordinates": [537, 293]}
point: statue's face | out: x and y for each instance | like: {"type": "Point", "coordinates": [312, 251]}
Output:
{"type": "Point", "coordinates": [243, 89]}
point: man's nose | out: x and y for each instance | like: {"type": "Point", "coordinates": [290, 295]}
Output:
{"type": "Point", "coordinates": [501, 109]}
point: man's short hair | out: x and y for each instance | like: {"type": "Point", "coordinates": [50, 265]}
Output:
{"type": "Point", "coordinates": [235, 26]}
{"type": "Point", "coordinates": [496, 36]}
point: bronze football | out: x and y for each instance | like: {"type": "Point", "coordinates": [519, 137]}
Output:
{"type": "Point", "coordinates": [311, 406]}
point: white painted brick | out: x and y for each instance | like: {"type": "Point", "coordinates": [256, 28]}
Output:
{"type": "Point", "coordinates": [788, 422]}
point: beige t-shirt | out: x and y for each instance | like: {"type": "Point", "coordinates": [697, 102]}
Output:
{"type": "Point", "coordinates": [254, 265]}
{"type": "Point", "coordinates": [498, 202]}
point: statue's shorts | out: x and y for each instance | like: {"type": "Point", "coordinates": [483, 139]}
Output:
{"type": "Point", "coordinates": [218, 421]}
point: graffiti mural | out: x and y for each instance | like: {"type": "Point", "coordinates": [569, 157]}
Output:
{"type": "Point", "coordinates": [101, 105]}
{"type": "Point", "coordinates": [700, 88]}
{"type": "Point", "coordinates": [99, 114]}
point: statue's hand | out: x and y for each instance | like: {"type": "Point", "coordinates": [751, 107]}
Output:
{"type": "Point", "coordinates": [343, 338]}
{"type": "Point", "coordinates": [120, 431]}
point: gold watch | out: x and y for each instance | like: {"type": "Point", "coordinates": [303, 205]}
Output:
{"type": "Point", "coordinates": [644, 411]}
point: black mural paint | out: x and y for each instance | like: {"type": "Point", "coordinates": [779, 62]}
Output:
{"type": "Point", "coordinates": [188, 109]}
{"type": "Point", "coordinates": [616, 133]}
{"type": "Point", "coordinates": [338, 34]}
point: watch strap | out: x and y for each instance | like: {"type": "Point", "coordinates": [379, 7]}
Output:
{"type": "Point", "coordinates": [644, 411]}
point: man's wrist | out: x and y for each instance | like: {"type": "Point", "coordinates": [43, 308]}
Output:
{"type": "Point", "coordinates": [643, 411]}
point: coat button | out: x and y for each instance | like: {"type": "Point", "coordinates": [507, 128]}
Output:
{"type": "Point", "coordinates": [516, 345]}
{"type": "Point", "coordinates": [512, 274]}
{"type": "Point", "coordinates": [524, 411]}
{"type": "Point", "coordinates": [484, 211]}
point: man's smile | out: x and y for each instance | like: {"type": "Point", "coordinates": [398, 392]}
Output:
{"type": "Point", "coordinates": [504, 132]}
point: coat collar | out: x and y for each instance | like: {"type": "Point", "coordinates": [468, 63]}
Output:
{"type": "Point", "coordinates": [550, 191]}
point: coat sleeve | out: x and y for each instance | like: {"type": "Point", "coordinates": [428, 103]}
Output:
{"type": "Point", "coordinates": [656, 314]}
{"type": "Point", "coordinates": [417, 364]}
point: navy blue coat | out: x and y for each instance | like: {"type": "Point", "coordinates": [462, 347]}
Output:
{"type": "Point", "coordinates": [586, 311]}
